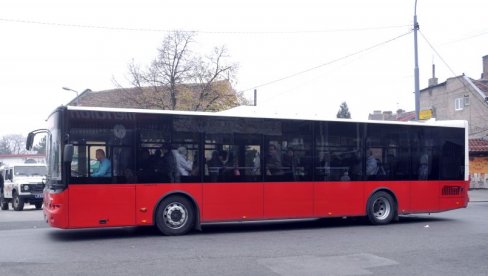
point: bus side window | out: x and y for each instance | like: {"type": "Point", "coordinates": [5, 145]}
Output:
{"type": "Point", "coordinates": [123, 165]}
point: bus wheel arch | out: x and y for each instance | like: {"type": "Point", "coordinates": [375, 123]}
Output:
{"type": "Point", "coordinates": [382, 207]}
{"type": "Point", "coordinates": [176, 214]}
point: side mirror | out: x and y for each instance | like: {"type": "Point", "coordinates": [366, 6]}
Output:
{"type": "Point", "coordinates": [30, 137]}
{"type": "Point", "coordinates": [68, 153]}
{"type": "Point", "coordinates": [30, 141]}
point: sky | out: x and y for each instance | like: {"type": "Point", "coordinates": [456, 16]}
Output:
{"type": "Point", "coordinates": [302, 56]}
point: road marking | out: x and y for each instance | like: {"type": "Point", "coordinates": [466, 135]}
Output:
{"type": "Point", "coordinates": [356, 264]}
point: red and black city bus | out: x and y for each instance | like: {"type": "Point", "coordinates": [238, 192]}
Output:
{"type": "Point", "coordinates": [178, 170]}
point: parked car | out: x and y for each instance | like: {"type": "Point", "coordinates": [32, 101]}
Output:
{"type": "Point", "coordinates": [21, 184]}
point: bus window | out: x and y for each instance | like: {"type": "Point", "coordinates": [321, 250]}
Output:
{"type": "Point", "coordinates": [390, 147]}
{"type": "Point", "coordinates": [289, 155]}
{"type": "Point", "coordinates": [235, 154]}
{"type": "Point", "coordinates": [338, 151]}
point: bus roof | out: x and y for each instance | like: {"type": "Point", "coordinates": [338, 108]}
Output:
{"type": "Point", "coordinates": [254, 112]}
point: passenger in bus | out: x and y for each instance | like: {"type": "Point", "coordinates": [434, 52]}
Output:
{"type": "Point", "coordinates": [215, 165]}
{"type": "Point", "coordinates": [231, 167]}
{"type": "Point", "coordinates": [105, 168]}
{"type": "Point", "coordinates": [168, 170]}
{"type": "Point", "coordinates": [423, 171]}
{"type": "Point", "coordinates": [155, 159]}
{"type": "Point", "coordinates": [391, 166]}
{"type": "Point", "coordinates": [184, 165]}
{"type": "Point", "coordinates": [146, 172]}
{"type": "Point", "coordinates": [345, 176]}
{"type": "Point", "coordinates": [256, 163]}
{"type": "Point", "coordinates": [290, 164]}
{"type": "Point", "coordinates": [129, 176]}
{"type": "Point", "coordinates": [323, 168]}
{"type": "Point", "coordinates": [273, 161]}
{"type": "Point", "coordinates": [195, 167]}
{"type": "Point", "coordinates": [371, 165]}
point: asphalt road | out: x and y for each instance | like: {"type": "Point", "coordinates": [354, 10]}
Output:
{"type": "Point", "coordinates": [450, 243]}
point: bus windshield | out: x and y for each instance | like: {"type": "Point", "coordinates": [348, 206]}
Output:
{"type": "Point", "coordinates": [53, 149]}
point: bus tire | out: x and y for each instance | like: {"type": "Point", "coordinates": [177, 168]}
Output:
{"type": "Point", "coordinates": [17, 202]}
{"type": "Point", "coordinates": [381, 208]}
{"type": "Point", "coordinates": [175, 216]}
{"type": "Point", "coordinates": [38, 205]}
{"type": "Point", "coordinates": [3, 201]}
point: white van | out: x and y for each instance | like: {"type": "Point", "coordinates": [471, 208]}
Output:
{"type": "Point", "coordinates": [20, 184]}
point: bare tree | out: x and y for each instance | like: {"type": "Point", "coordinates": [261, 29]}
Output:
{"type": "Point", "coordinates": [12, 144]}
{"type": "Point", "coordinates": [207, 72]}
{"type": "Point", "coordinates": [180, 79]}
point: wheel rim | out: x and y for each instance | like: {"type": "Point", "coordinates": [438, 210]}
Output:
{"type": "Point", "coordinates": [381, 208]}
{"type": "Point", "coordinates": [175, 215]}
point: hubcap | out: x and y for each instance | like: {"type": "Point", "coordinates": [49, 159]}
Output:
{"type": "Point", "coordinates": [381, 208]}
{"type": "Point", "coordinates": [175, 215]}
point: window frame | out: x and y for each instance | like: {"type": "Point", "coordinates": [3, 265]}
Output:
{"type": "Point", "coordinates": [459, 104]}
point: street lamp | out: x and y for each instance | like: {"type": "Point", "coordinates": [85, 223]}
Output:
{"type": "Point", "coordinates": [69, 89]}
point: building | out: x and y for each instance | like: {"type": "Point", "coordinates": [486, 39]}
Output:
{"type": "Point", "coordinates": [400, 115]}
{"type": "Point", "coordinates": [463, 98]}
{"type": "Point", "coordinates": [11, 159]}
{"type": "Point", "coordinates": [196, 97]}
{"type": "Point", "coordinates": [459, 98]}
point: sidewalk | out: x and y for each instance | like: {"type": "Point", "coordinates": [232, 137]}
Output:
{"type": "Point", "coordinates": [479, 195]}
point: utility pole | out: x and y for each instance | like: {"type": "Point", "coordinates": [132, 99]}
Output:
{"type": "Point", "coordinates": [416, 70]}
{"type": "Point", "coordinates": [255, 97]}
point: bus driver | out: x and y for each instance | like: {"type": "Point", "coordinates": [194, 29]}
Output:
{"type": "Point", "coordinates": [105, 168]}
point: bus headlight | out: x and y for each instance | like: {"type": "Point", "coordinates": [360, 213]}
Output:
{"type": "Point", "coordinates": [24, 187]}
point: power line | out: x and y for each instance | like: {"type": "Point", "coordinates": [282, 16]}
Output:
{"type": "Point", "coordinates": [462, 82]}
{"type": "Point", "coordinates": [327, 63]}
{"type": "Point", "coordinates": [484, 32]}
{"type": "Point", "coordinates": [116, 28]}
{"type": "Point", "coordinates": [450, 69]}
{"type": "Point", "coordinates": [437, 53]}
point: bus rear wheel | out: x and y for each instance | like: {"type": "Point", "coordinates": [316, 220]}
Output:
{"type": "Point", "coordinates": [381, 208]}
{"type": "Point", "coordinates": [175, 216]}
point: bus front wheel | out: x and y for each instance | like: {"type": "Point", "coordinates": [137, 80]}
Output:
{"type": "Point", "coordinates": [381, 208]}
{"type": "Point", "coordinates": [175, 216]}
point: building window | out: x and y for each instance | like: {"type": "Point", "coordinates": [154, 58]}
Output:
{"type": "Point", "coordinates": [466, 100]}
{"type": "Point", "coordinates": [459, 104]}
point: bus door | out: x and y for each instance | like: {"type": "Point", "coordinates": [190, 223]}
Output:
{"type": "Point", "coordinates": [232, 188]}
{"type": "Point", "coordinates": [288, 189]}
{"type": "Point", "coordinates": [101, 192]}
